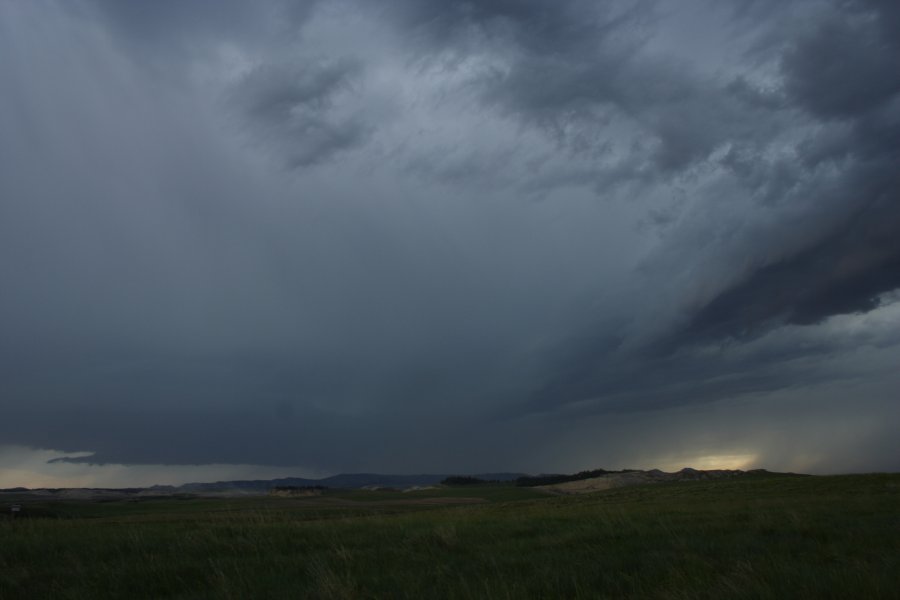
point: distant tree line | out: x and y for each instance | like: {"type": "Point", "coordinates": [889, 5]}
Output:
{"type": "Point", "coordinates": [298, 488]}
{"type": "Point", "coordinates": [534, 480]}
{"type": "Point", "coordinates": [466, 480]}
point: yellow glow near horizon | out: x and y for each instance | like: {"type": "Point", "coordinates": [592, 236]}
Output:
{"type": "Point", "coordinates": [708, 462]}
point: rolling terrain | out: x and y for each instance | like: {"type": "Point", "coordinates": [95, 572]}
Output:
{"type": "Point", "coordinates": [738, 537]}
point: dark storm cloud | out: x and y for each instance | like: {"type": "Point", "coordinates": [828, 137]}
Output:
{"type": "Point", "coordinates": [575, 68]}
{"type": "Point", "coordinates": [504, 223]}
{"type": "Point", "coordinates": [533, 26]}
{"type": "Point", "coordinates": [168, 26]}
{"type": "Point", "coordinates": [294, 107]}
{"type": "Point", "coordinates": [845, 65]}
{"type": "Point", "coordinates": [580, 67]}
{"type": "Point", "coordinates": [841, 71]}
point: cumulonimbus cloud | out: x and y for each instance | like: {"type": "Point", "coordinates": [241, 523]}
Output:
{"type": "Point", "coordinates": [508, 216]}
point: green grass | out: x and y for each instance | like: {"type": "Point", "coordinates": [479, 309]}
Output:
{"type": "Point", "coordinates": [491, 493]}
{"type": "Point", "coordinates": [803, 537]}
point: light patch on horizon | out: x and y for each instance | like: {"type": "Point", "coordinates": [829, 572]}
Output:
{"type": "Point", "coordinates": [42, 468]}
{"type": "Point", "coordinates": [708, 462]}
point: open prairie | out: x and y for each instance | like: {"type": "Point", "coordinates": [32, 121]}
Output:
{"type": "Point", "coordinates": [764, 537]}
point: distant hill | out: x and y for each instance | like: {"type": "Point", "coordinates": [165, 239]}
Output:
{"type": "Point", "coordinates": [344, 480]}
{"type": "Point", "coordinates": [599, 477]}
{"type": "Point", "coordinates": [585, 481]}
{"type": "Point", "coordinates": [595, 481]}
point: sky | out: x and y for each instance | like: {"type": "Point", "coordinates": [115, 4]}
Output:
{"type": "Point", "coordinates": [249, 240]}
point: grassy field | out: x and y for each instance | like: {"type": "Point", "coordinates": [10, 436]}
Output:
{"type": "Point", "coordinates": [778, 537]}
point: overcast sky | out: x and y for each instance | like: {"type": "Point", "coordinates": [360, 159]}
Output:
{"type": "Point", "coordinates": [299, 238]}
